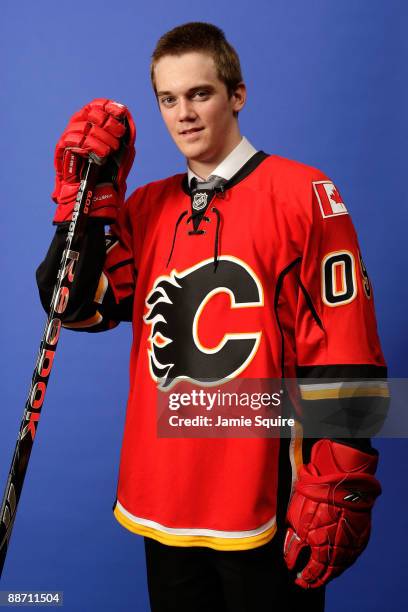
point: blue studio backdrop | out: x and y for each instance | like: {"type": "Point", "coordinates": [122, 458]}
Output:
{"type": "Point", "coordinates": [327, 87]}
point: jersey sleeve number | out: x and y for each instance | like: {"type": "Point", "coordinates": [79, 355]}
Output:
{"type": "Point", "coordinates": [338, 278]}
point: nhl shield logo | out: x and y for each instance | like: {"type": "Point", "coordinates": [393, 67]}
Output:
{"type": "Point", "coordinates": [200, 200]}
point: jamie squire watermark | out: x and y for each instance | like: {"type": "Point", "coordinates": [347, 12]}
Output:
{"type": "Point", "coordinates": [221, 421]}
{"type": "Point", "coordinates": [276, 407]}
{"type": "Point", "coordinates": [217, 413]}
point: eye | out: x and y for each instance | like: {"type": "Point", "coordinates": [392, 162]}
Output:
{"type": "Point", "coordinates": [167, 101]}
{"type": "Point", "coordinates": [201, 94]}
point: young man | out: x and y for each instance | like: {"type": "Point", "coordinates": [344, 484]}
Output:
{"type": "Point", "coordinates": [245, 266]}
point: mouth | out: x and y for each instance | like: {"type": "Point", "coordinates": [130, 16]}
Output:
{"type": "Point", "coordinates": [190, 131]}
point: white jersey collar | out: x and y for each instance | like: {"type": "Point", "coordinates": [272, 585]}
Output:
{"type": "Point", "coordinates": [231, 164]}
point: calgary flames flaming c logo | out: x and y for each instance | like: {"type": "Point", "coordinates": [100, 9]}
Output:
{"type": "Point", "coordinates": [175, 304]}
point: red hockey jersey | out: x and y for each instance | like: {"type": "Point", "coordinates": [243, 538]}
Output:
{"type": "Point", "coordinates": [269, 283]}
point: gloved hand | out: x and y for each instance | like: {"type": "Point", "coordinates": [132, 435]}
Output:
{"type": "Point", "coordinates": [104, 129]}
{"type": "Point", "coordinates": [330, 511]}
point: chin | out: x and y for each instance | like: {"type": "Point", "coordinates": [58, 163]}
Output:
{"type": "Point", "coordinates": [194, 150]}
{"type": "Point", "coordinates": [194, 153]}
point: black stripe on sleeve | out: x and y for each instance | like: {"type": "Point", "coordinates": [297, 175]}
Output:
{"type": "Point", "coordinates": [342, 372]}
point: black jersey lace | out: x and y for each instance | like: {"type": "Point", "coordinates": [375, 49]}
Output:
{"type": "Point", "coordinates": [218, 192]}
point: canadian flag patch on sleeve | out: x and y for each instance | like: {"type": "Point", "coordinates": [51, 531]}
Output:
{"type": "Point", "coordinates": [329, 199]}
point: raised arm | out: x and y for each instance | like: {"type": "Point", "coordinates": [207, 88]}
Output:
{"type": "Point", "coordinates": [102, 291]}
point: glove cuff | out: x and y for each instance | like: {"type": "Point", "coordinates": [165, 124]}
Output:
{"type": "Point", "coordinates": [105, 203]}
{"type": "Point", "coordinates": [328, 457]}
{"type": "Point", "coordinates": [341, 475]}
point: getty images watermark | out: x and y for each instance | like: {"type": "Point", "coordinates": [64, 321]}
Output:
{"type": "Point", "coordinates": [221, 400]}
{"type": "Point", "coordinates": [268, 408]}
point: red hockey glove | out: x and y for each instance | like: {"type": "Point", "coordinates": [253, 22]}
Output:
{"type": "Point", "coordinates": [330, 511]}
{"type": "Point", "coordinates": [106, 130]}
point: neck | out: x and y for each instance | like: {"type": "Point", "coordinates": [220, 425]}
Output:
{"type": "Point", "coordinates": [204, 167]}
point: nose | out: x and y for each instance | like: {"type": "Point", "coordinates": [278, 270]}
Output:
{"type": "Point", "coordinates": [186, 110]}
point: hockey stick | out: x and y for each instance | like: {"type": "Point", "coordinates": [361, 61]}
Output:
{"type": "Point", "coordinates": [46, 355]}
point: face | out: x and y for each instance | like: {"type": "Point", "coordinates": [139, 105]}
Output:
{"type": "Point", "coordinates": [196, 107]}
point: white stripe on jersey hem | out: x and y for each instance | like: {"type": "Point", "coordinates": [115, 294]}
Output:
{"type": "Point", "coordinates": [197, 532]}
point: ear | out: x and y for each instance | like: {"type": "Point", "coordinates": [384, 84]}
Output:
{"type": "Point", "coordinates": [238, 97]}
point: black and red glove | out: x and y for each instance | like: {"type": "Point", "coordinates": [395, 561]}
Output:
{"type": "Point", "coordinates": [105, 130]}
{"type": "Point", "coordinates": [330, 511]}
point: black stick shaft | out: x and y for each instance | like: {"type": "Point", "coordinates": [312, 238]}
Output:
{"type": "Point", "coordinates": [46, 353]}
